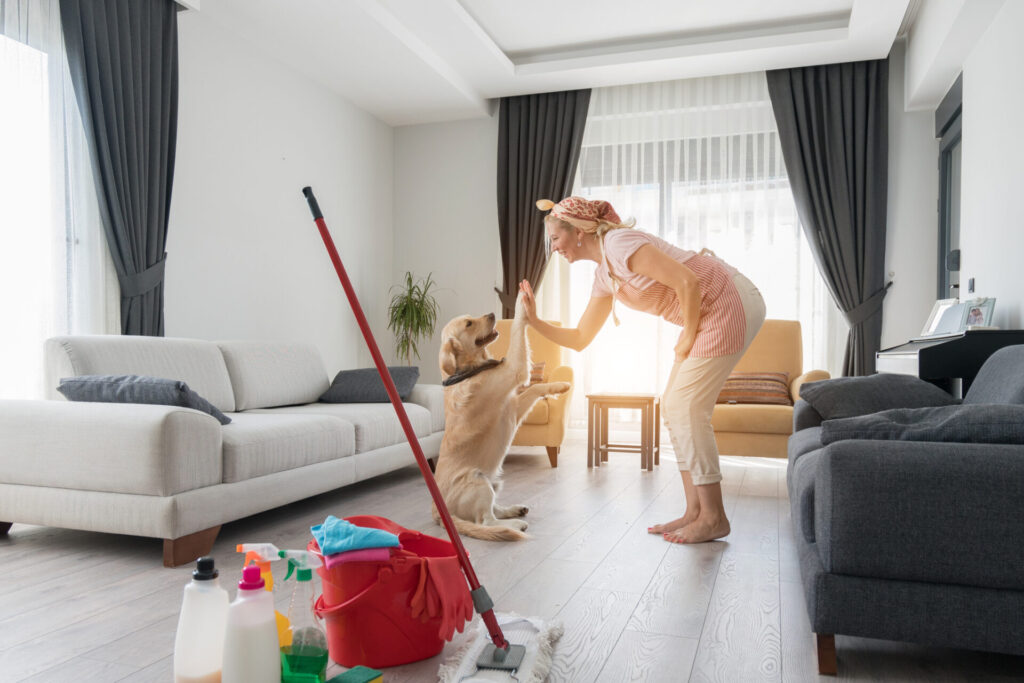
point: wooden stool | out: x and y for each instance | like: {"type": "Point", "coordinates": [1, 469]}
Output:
{"type": "Point", "coordinates": [649, 447]}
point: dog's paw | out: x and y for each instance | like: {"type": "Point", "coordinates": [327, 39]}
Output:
{"type": "Point", "coordinates": [519, 510]}
{"type": "Point", "coordinates": [560, 387]}
{"type": "Point", "coordinates": [520, 524]}
{"type": "Point", "coordinates": [521, 306]}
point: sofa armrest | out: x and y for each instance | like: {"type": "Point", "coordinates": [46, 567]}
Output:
{"type": "Point", "coordinates": [805, 416]}
{"type": "Point", "coordinates": [120, 448]}
{"type": "Point", "coordinates": [431, 397]}
{"type": "Point", "coordinates": [812, 376]}
{"type": "Point", "coordinates": [921, 511]}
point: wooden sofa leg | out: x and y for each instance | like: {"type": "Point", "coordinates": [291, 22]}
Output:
{"type": "Point", "coordinates": [553, 455]}
{"type": "Point", "coordinates": [179, 551]}
{"type": "Point", "coordinates": [826, 654]}
{"type": "Point", "coordinates": [5, 527]}
{"type": "Point", "coordinates": [432, 463]}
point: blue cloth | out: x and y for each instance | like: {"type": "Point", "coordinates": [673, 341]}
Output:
{"type": "Point", "coordinates": [338, 536]}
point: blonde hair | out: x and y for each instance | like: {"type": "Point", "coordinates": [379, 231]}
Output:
{"type": "Point", "coordinates": [600, 228]}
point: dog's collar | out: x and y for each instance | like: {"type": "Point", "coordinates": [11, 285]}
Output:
{"type": "Point", "coordinates": [469, 372]}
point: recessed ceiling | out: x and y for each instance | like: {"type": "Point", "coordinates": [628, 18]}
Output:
{"type": "Point", "coordinates": [418, 61]}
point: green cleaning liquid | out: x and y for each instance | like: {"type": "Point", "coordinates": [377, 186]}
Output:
{"type": "Point", "coordinates": [308, 653]}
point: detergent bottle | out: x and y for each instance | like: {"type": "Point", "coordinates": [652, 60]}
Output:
{"type": "Point", "coordinates": [307, 655]}
{"type": "Point", "coordinates": [199, 643]}
{"type": "Point", "coordinates": [262, 554]}
{"type": "Point", "coordinates": [251, 650]}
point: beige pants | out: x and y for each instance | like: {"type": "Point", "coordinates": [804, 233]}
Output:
{"type": "Point", "coordinates": [691, 392]}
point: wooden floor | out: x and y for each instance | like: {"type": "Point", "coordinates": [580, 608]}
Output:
{"type": "Point", "coordinates": [79, 606]}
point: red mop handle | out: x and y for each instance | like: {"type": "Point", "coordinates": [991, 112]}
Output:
{"type": "Point", "coordinates": [488, 616]}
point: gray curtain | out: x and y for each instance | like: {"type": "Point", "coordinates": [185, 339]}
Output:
{"type": "Point", "coordinates": [539, 141]}
{"type": "Point", "coordinates": [123, 56]}
{"type": "Point", "coordinates": [833, 127]}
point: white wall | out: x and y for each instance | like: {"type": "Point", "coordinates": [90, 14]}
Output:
{"type": "Point", "coordinates": [446, 220]}
{"type": "Point", "coordinates": [245, 260]}
{"type": "Point", "coordinates": [991, 219]}
{"type": "Point", "coordinates": [911, 244]}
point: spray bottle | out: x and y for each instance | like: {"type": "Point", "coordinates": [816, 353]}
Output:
{"type": "Point", "coordinates": [306, 657]}
{"type": "Point", "coordinates": [199, 643]}
{"type": "Point", "coordinates": [261, 555]}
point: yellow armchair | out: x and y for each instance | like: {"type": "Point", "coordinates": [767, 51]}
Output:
{"type": "Point", "coordinates": [758, 429]}
{"type": "Point", "coordinates": [545, 425]}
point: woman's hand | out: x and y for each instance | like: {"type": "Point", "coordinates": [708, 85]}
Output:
{"type": "Point", "coordinates": [683, 346]}
{"type": "Point", "coordinates": [529, 303]}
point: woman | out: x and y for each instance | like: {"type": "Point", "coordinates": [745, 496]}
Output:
{"type": "Point", "coordinates": [718, 308]}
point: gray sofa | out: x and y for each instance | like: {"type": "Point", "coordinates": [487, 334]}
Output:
{"type": "Point", "coordinates": [913, 540]}
{"type": "Point", "coordinates": [176, 473]}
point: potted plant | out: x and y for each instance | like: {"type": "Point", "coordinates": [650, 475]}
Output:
{"type": "Point", "coordinates": [412, 315]}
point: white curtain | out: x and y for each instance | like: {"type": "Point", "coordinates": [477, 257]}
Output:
{"type": "Point", "coordinates": [56, 275]}
{"type": "Point", "coordinates": [698, 163]}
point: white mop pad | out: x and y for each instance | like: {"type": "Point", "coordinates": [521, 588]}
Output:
{"type": "Point", "coordinates": [538, 637]}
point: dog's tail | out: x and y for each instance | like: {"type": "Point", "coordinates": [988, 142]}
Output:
{"type": "Point", "coordinates": [488, 533]}
{"type": "Point", "coordinates": [481, 531]}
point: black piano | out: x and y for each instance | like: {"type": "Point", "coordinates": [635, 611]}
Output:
{"type": "Point", "coordinates": [943, 360]}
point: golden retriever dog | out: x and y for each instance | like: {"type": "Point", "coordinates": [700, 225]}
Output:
{"type": "Point", "coordinates": [485, 400]}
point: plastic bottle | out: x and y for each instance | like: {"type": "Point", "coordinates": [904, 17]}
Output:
{"type": "Point", "coordinates": [307, 654]}
{"type": "Point", "coordinates": [262, 554]}
{"type": "Point", "coordinates": [251, 650]}
{"type": "Point", "coordinates": [199, 643]}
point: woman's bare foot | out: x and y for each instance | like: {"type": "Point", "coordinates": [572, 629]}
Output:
{"type": "Point", "coordinates": [689, 518]}
{"type": "Point", "coordinates": [700, 531]}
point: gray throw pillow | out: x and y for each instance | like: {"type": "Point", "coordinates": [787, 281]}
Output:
{"type": "Point", "coordinates": [365, 386]}
{"type": "Point", "coordinates": [976, 423]}
{"type": "Point", "coordinates": [136, 389]}
{"type": "Point", "coordinates": [850, 396]}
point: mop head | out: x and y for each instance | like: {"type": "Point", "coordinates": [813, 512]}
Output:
{"type": "Point", "coordinates": [538, 637]}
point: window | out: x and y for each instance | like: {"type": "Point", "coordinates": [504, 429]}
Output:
{"type": "Point", "coordinates": [698, 163]}
{"type": "Point", "coordinates": [56, 276]}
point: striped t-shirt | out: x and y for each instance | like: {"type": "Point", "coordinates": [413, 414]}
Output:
{"type": "Point", "coordinates": [723, 323]}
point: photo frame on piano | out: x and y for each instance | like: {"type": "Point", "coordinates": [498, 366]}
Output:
{"type": "Point", "coordinates": [951, 317]}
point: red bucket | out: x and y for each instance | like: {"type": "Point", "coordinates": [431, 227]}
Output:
{"type": "Point", "coordinates": [382, 614]}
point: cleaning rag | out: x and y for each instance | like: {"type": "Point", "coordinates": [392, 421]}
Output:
{"type": "Point", "coordinates": [365, 555]}
{"type": "Point", "coordinates": [338, 536]}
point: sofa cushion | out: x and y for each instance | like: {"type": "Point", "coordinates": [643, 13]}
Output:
{"type": "Point", "coordinates": [256, 444]}
{"type": "Point", "coordinates": [431, 397]}
{"type": "Point", "coordinates": [959, 424]}
{"type": "Point", "coordinates": [1001, 378]}
{"type": "Point", "coordinates": [752, 419]}
{"type": "Point", "coordinates": [269, 374]}
{"type": "Point", "coordinates": [850, 396]}
{"type": "Point", "coordinates": [756, 387]}
{"type": "Point", "coordinates": [197, 363]}
{"type": "Point", "coordinates": [365, 386]}
{"type": "Point", "coordinates": [376, 424]}
{"type": "Point", "coordinates": [136, 389]}
{"type": "Point", "coordinates": [539, 414]}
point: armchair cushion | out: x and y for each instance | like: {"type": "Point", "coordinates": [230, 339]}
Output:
{"type": "Point", "coordinates": [756, 387]}
{"type": "Point", "coordinates": [977, 423]}
{"type": "Point", "coordinates": [851, 396]}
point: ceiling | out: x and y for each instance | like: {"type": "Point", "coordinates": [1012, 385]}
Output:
{"type": "Point", "coordinates": [419, 61]}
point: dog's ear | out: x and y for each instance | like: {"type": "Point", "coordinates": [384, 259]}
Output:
{"type": "Point", "coordinates": [448, 357]}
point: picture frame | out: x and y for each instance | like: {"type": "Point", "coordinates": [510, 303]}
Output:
{"type": "Point", "coordinates": [978, 313]}
{"type": "Point", "coordinates": [952, 316]}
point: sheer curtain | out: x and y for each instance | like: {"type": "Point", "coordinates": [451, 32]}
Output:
{"type": "Point", "coordinates": [698, 163]}
{"type": "Point", "coordinates": [56, 276]}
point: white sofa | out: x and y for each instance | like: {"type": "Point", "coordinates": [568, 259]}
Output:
{"type": "Point", "coordinates": [176, 473]}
